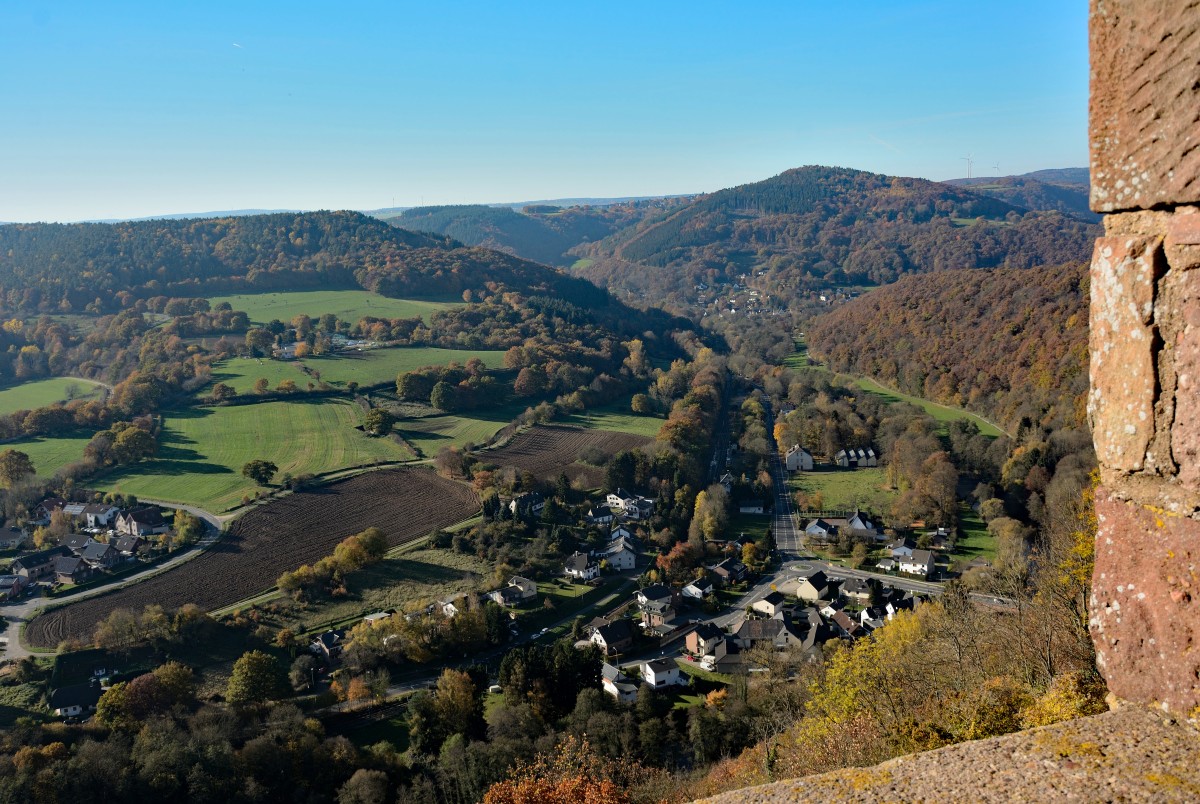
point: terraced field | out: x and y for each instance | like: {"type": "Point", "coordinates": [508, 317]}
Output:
{"type": "Point", "coordinates": [202, 450]}
{"type": "Point", "coordinates": [276, 538]}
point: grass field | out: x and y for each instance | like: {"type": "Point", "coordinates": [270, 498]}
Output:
{"type": "Point", "coordinates": [752, 525]}
{"type": "Point", "coordinates": [973, 537]}
{"type": "Point", "coordinates": [618, 419]}
{"type": "Point", "coordinates": [846, 489]}
{"type": "Point", "coordinates": [365, 368]}
{"type": "Point", "coordinates": [51, 454]}
{"type": "Point", "coordinates": [202, 451]}
{"type": "Point", "coordinates": [942, 413]}
{"type": "Point", "coordinates": [39, 393]}
{"type": "Point", "coordinates": [431, 433]}
{"type": "Point", "coordinates": [348, 305]}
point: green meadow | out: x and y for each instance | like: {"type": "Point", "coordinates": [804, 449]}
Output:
{"type": "Point", "coordinates": [39, 393]}
{"type": "Point", "coordinates": [348, 305]}
{"type": "Point", "coordinates": [366, 368]}
{"type": "Point", "coordinates": [202, 450]}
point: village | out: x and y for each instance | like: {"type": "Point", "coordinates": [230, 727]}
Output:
{"type": "Point", "coordinates": [89, 543]}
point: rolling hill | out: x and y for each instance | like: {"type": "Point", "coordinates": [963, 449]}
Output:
{"type": "Point", "coordinates": [1064, 191]}
{"type": "Point", "coordinates": [69, 267]}
{"type": "Point", "coordinates": [815, 227]}
{"type": "Point", "coordinates": [1007, 343]}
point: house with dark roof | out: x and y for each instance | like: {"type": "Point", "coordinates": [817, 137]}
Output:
{"type": "Point", "coordinates": [76, 699]}
{"type": "Point", "coordinates": [13, 537]}
{"type": "Point", "coordinates": [527, 505]}
{"type": "Point", "coordinates": [749, 633]}
{"type": "Point", "coordinates": [581, 567]}
{"type": "Point", "coordinates": [657, 592]}
{"type": "Point", "coordinates": [101, 555]}
{"type": "Point", "coordinates": [144, 521]}
{"type": "Point", "coordinates": [902, 548]}
{"type": "Point", "coordinates": [45, 509]}
{"type": "Point", "coordinates": [820, 529]}
{"type": "Point", "coordinates": [771, 604]}
{"type": "Point", "coordinates": [659, 673]}
{"type": "Point", "coordinates": [11, 587]}
{"type": "Point", "coordinates": [702, 638]}
{"type": "Point", "coordinates": [613, 637]}
{"type": "Point", "coordinates": [129, 545]}
{"type": "Point", "coordinates": [813, 588]}
{"type": "Point", "coordinates": [860, 523]}
{"type": "Point", "coordinates": [698, 589]}
{"type": "Point", "coordinates": [71, 569]}
{"type": "Point", "coordinates": [729, 571]}
{"type": "Point", "coordinates": [329, 644]}
{"type": "Point", "coordinates": [78, 542]}
{"type": "Point", "coordinates": [617, 684]}
{"type": "Point", "coordinates": [36, 566]}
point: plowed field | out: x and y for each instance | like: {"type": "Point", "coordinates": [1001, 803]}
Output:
{"type": "Point", "coordinates": [299, 529]}
{"type": "Point", "coordinates": [547, 451]}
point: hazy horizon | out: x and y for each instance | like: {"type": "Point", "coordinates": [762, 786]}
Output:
{"type": "Point", "coordinates": [153, 110]}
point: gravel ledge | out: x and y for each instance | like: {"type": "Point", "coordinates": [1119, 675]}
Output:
{"type": "Point", "coordinates": [1130, 754]}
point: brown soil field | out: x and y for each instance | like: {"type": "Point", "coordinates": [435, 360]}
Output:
{"type": "Point", "coordinates": [549, 450]}
{"type": "Point", "coordinates": [276, 538]}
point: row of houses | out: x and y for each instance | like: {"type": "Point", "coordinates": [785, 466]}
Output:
{"type": "Point", "coordinates": [826, 529]}
{"type": "Point", "coordinates": [141, 521]}
{"type": "Point", "coordinates": [805, 626]}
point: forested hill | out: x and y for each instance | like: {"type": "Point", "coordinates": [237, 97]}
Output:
{"type": "Point", "coordinates": [1057, 191]}
{"type": "Point", "coordinates": [91, 266]}
{"type": "Point", "coordinates": [1006, 343]}
{"type": "Point", "coordinates": [542, 233]}
{"type": "Point", "coordinates": [819, 226]}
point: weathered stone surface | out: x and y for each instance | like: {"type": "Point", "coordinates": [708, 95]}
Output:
{"type": "Point", "coordinates": [1145, 103]}
{"type": "Point", "coordinates": [1121, 344]}
{"type": "Point", "coordinates": [1144, 614]}
{"type": "Point", "coordinates": [1130, 754]}
{"type": "Point", "coordinates": [1185, 430]}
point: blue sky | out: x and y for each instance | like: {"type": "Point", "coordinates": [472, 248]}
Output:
{"type": "Point", "coordinates": [129, 109]}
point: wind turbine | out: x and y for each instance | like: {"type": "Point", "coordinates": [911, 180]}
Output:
{"type": "Point", "coordinates": [996, 168]}
{"type": "Point", "coordinates": [970, 159]}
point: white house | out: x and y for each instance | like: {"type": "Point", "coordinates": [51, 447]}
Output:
{"type": "Point", "coordinates": [581, 567]}
{"type": "Point", "coordinates": [820, 529]}
{"type": "Point", "coordinates": [617, 684]}
{"type": "Point", "coordinates": [770, 605]}
{"type": "Point", "coordinates": [698, 589]}
{"type": "Point", "coordinates": [100, 516]}
{"type": "Point", "coordinates": [919, 563]}
{"type": "Point", "coordinates": [902, 548]}
{"type": "Point", "coordinates": [660, 673]}
{"type": "Point", "coordinates": [798, 459]}
{"type": "Point", "coordinates": [619, 556]}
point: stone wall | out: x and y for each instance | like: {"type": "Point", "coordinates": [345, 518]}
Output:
{"type": "Point", "coordinates": [1144, 404]}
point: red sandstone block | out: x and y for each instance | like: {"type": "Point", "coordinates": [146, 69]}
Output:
{"type": "Point", "coordinates": [1185, 430]}
{"type": "Point", "coordinates": [1144, 613]}
{"type": "Point", "coordinates": [1121, 402]}
{"type": "Point", "coordinates": [1144, 111]}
